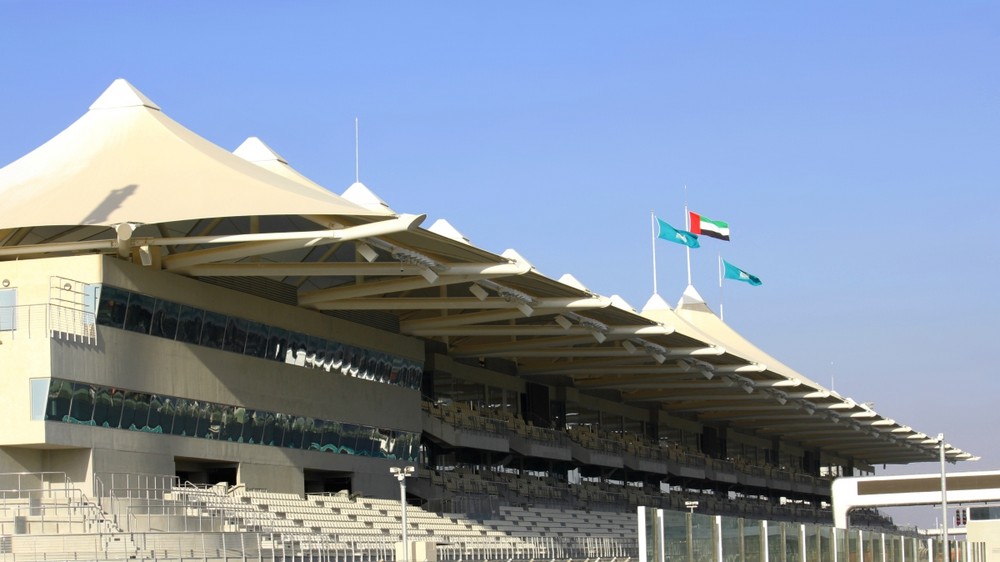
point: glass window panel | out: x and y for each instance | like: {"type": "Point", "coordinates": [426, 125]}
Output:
{"type": "Point", "coordinates": [161, 414]}
{"type": "Point", "coordinates": [166, 317]}
{"type": "Point", "coordinates": [233, 421]}
{"type": "Point", "coordinates": [60, 395]}
{"type": "Point", "coordinates": [213, 330]}
{"type": "Point", "coordinates": [349, 367]}
{"type": "Point", "coordinates": [383, 444]}
{"type": "Point", "coordinates": [283, 429]}
{"type": "Point", "coordinates": [294, 431]}
{"type": "Point", "coordinates": [81, 409]}
{"type": "Point", "coordinates": [368, 363]}
{"type": "Point", "coordinates": [297, 348]}
{"type": "Point", "coordinates": [8, 304]}
{"type": "Point", "coordinates": [384, 368]}
{"type": "Point", "coordinates": [139, 313]}
{"type": "Point", "coordinates": [313, 434]}
{"type": "Point", "coordinates": [277, 344]}
{"type": "Point", "coordinates": [104, 406]}
{"type": "Point", "coordinates": [314, 347]}
{"type": "Point", "coordinates": [331, 437]}
{"type": "Point", "coordinates": [212, 421]}
{"type": "Point", "coordinates": [395, 369]}
{"type": "Point", "coordinates": [111, 307]}
{"type": "Point", "coordinates": [140, 404]}
{"type": "Point", "coordinates": [189, 325]}
{"type": "Point", "coordinates": [182, 416]}
{"type": "Point", "coordinates": [253, 429]}
{"type": "Point", "coordinates": [336, 351]}
{"type": "Point", "coordinates": [256, 340]}
{"type": "Point", "coordinates": [202, 419]}
{"type": "Point", "coordinates": [236, 335]}
{"type": "Point", "coordinates": [271, 434]}
{"type": "Point", "coordinates": [90, 291]}
{"type": "Point", "coordinates": [39, 398]}
{"type": "Point", "coordinates": [348, 438]}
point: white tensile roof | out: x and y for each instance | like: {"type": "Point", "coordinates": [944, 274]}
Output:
{"type": "Point", "coordinates": [126, 161]}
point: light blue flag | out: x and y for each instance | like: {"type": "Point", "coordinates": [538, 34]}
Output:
{"type": "Point", "coordinates": [733, 272]}
{"type": "Point", "coordinates": [684, 237]}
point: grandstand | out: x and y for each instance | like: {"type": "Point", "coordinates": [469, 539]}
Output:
{"type": "Point", "coordinates": [206, 354]}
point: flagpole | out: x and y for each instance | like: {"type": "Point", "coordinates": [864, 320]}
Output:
{"type": "Point", "coordinates": [652, 220]}
{"type": "Point", "coordinates": [687, 226]}
{"type": "Point", "coordinates": [722, 300]}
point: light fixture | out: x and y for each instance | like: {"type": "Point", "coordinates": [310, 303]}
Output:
{"type": "Point", "coordinates": [479, 292]}
{"type": "Point", "coordinates": [401, 474]}
{"type": "Point", "coordinates": [597, 328]}
{"type": "Point", "coordinates": [563, 321]}
{"type": "Point", "coordinates": [6, 282]}
{"type": "Point", "coordinates": [806, 405]}
{"type": "Point", "coordinates": [780, 396]}
{"type": "Point", "coordinates": [629, 346]}
{"type": "Point", "coordinates": [145, 256]}
{"type": "Point", "coordinates": [522, 301]}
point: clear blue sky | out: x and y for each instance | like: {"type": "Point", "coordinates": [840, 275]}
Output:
{"type": "Point", "coordinates": [854, 148]}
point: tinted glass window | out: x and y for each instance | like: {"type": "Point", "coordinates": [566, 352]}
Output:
{"type": "Point", "coordinates": [111, 307]}
{"type": "Point", "coordinates": [81, 408]}
{"type": "Point", "coordinates": [277, 344]}
{"type": "Point", "coordinates": [189, 326]}
{"type": "Point", "coordinates": [139, 313]}
{"type": "Point", "coordinates": [236, 335]}
{"type": "Point", "coordinates": [256, 340]}
{"type": "Point", "coordinates": [213, 331]}
{"type": "Point", "coordinates": [166, 316]}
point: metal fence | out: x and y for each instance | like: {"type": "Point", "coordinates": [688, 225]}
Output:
{"type": "Point", "coordinates": [673, 536]}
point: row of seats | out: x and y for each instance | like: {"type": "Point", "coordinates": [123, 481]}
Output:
{"type": "Point", "coordinates": [499, 421]}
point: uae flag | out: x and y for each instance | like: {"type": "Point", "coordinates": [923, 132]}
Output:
{"type": "Point", "coordinates": [709, 227]}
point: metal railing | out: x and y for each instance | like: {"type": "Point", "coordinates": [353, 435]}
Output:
{"type": "Point", "coordinates": [29, 321]}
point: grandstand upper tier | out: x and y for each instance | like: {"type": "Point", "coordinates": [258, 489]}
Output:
{"type": "Point", "coordinates": [169, 307]}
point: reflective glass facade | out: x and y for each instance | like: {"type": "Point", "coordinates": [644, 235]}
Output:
{"type": "Point", "coordinates": [115, 408]}
{"type": "Point", "coordinates": [135, 312]}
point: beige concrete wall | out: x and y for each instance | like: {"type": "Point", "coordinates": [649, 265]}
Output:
{"type": "Point", "coordinates": [25, 353]}
{"type": "Point", "coordinates": [987, 532]}
{"type": "Point", "coordinates": [17, 459]}
{"type": "Point", "coordinates": [275, 478]}
{"type": "Point", "coordinates": [21, 360]}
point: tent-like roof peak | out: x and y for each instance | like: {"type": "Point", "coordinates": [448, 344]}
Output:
{"type": "Point", "coordinates": [445, 228]}
{"type": "Point", "coordinates": [255, 150]}
{"type": "Point", "coordinates": [359, 194]}
{"type": "Point", "coordinates": [122, 94]}
{"type": "Point", "coordinates": [692, 300]}
{"type": "Point", "coordinates": [656, 302]}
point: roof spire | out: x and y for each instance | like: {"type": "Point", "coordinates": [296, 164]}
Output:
{"type": "Point", "coordinates": [122, 94]}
